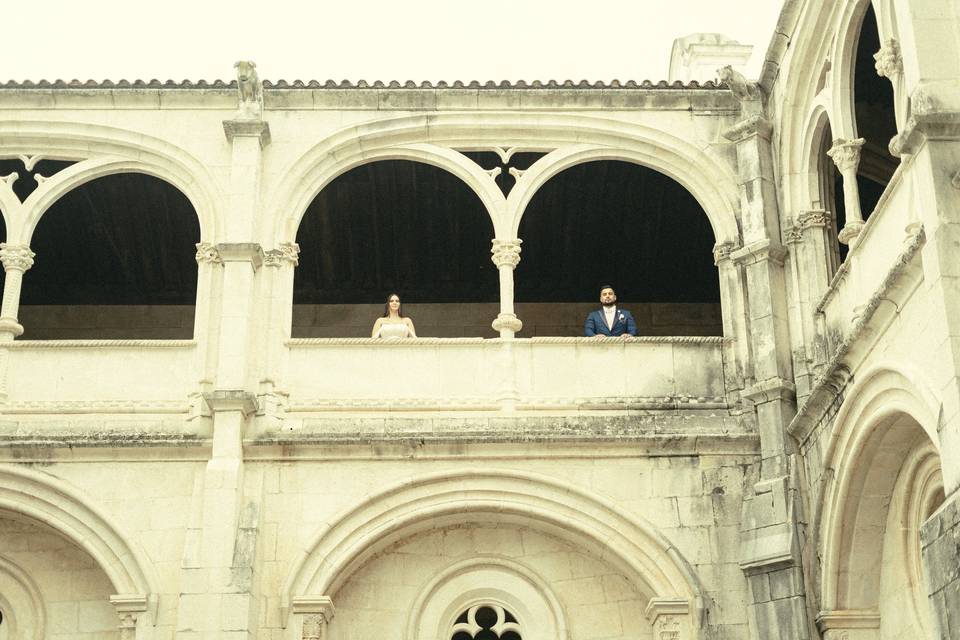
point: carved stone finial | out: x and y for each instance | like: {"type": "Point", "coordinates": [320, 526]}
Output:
{"type": "Point", "coordinates": [745, 90]}
{"type": "Point", "coordinates": [889, 62]}
{"type": "Point", "coordinates": [16, 256]}
{"type": "Point", "coordinates": [287, 252]}
{"type": "Point", "coordinates": [250, 91]}
{"type": "Point", "coordinates": [506, 253]}
{"type": "Point", "coordinates": [846, 153]}
{"type": "Point", "coordinates": [207, 252]}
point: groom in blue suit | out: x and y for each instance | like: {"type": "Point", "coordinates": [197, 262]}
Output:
{"type": "Point", "coordinates": [609, 320]}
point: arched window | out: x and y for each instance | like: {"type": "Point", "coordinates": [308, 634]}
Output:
{"type": "Point", "coordinates": [114, 259]}
{"type": "Point", "coordinates": [486, 622]}
{"type": "Point", "coordinates": [618, 223]}
{"type": "Point", "coordinates": [395, 226]}
{"type": "Point", "coordinates": [875, 115]}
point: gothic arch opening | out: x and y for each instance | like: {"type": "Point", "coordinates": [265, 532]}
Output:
{"type": "Point", "coordinates": [874, 111]}
{"type": "Point", "coordinates": [114, 259]}
{"type": "Point", "coordinates": [619, 223]}
{"type": "Point", "coordinates": [888, 486]}
{"type": "Point", "coordinates": [395, 226]}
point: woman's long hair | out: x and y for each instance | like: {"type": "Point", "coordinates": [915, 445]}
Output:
{"type": "Point", "coordinates": [386, 306]}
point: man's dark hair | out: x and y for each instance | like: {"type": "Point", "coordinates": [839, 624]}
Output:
{"type": "Point", "coordinates": [607, 286]}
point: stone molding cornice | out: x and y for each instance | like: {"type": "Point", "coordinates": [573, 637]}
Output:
{"type": "Point", "coordinates": [231, 400]}
{"type": "Point", "coordinates": [837, 373]}
{"type": "Point", "coordinates": [241, 252]}
{"type": "Point", "coordinates": [888, 61]}
{"type": "Point", "coordinates": [923, 125]}
{"type": "Point", "coordinates": [770, 390]}
{"type": "Point", "coordinates": [759, 251]}
{"type": "Point", "coordinates": [456, 342]}
{"type": "Point", "coordinates": [756, 125]}
{"type": "Point", "coordinates": [317, 611]}
{"type": "Point", "coordinates": [836, 620]}
{"type": "Point", "coordinates": [242, 128]}
{"type": "Point", "coordinates": [285, 253]}
{"type": "Point", "coordinates": [506, 253]}
{"type": "Point", "coordinates": [846, 153]}
{"type": "Point", "coordinates": [17, 257]}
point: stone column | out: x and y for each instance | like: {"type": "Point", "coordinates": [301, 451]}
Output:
{"type": "Point", "coordinates": [889, 64]}
{"type": "Point", "coordinates": [506, 255]}
{"type": "Point", "coordinates": [735, 325]}
{"type": "Point", "coordinates": [769, 555]}
{"type": "Point", "coordinates": [16, 259]}
{"type": "Point", "coordinates": [209, 274]}
{"type": "Point", "coordinates": [846, 155]}
{"type": "Point", "coordinates": [280, 264]}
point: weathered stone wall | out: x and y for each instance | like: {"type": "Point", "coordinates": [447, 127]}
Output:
{"type": "Point", "coordinates": [940, 541]}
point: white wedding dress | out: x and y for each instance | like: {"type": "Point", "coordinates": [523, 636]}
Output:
{"type": "Point", "coordinates": [394, 330]}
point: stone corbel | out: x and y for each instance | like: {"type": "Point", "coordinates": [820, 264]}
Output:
{"type": "Point", "coordinates": [927, 121]}
{"type": "Point", "coordinates": [129, 607]}
{"type": "Point", "coordinates": [849, 624]}
{"type": "Point", "coordinates": [231, 400]}
{"type": "Point", "coordinates": [670, 618]}
{"type": "Point", "coordinates": [313, 613]}
{"type": "Point", "coordinates": [759, 251]}
{"type": "Point", "coordinates": [755, 125]}
{"type": "Point", "coordinates": [770, 390]}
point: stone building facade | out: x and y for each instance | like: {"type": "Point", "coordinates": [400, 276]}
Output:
{"type": "Point", "coordinates": [790, 474]}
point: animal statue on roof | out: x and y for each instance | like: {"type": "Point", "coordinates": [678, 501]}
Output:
{"type": "Point", "coordinates": [250, 91]}
{"type": "Point", "coordinates": [741, 87]}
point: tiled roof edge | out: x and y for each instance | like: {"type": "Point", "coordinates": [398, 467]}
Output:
{"type": "Point", "coordinates": [360, 84]}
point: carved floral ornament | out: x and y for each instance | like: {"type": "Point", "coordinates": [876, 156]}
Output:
{"type": "Point", "coordinates": [287, 252]}
{"type": "Point", "coordinates": [889, 62]}
{"type": "Point", "coordinates": [668, 628]}
{"type": "Point", "coordinates": [16, 256]}
{"type": "Point", "coordinates": [207, 252]}
{"type": "Point", "coordinates": [506, 253]}
{"type": "Point", "coordinates": [723, 250]}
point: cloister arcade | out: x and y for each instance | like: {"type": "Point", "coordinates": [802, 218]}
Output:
{"type": "Point", "coordinates": [198, 439]}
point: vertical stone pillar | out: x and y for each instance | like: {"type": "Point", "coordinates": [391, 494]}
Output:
{"type": "Point", "coordinates": [506, 256]}
{"type": "Point", "coordinates": [280, 264]}
{"type": "Point", "coordinates": [769, 555]}
{"type": "Point", "coordinates": [889, 64]}
{"type": "Point", "coordinates": [205, 330]}
{"type": "Point", "coordinates": [16, 260]}
{"type": "Point", "coordinates": [735, 325]}
{"type": "Point", "coordinates": [846, 155]}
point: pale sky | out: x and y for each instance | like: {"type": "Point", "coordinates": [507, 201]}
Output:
{"type": "Point", "coordinates": [367, 39]}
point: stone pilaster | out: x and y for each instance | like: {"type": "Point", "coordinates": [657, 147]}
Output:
{"type": "Point", "coordinates": [279, 264]}
{"type": "Point", "coordinates": [846, 155]}
{"type": "Point", "coordinates": [130, 610]}
{"type": "Point", "coordinates": [16, 260]}
{"type": "Point", "coordinates": [770, 556]}
{"type": "Point", "coordinates": [312, 615]}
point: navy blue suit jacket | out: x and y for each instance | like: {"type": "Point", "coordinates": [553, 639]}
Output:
{"type": "Point", "coordinates": [596, 324]}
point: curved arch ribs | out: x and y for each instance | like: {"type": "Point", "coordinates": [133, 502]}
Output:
{"type": "Point", "coordinates": [659, 572]}
{"type": "Point", "coordinates": [43, 498]}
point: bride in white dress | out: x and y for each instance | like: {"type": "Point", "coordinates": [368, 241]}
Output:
{"type": "Point", "coordinates": [393, 324]}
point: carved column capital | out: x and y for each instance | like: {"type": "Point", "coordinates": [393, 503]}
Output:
{"type": "Point", "coordinates": [506, 253]}
{"type": "Point", "coordinates": [889, 62]}
{"type": "Point", "coordinates": [812, 218]}
{"type": "Point", "coordinates": [670, 618]}
{"type": "Point", "coordinates": [128, 608]}
{"type": "Point", "coordinates": [207, 253]}
{"type": "Point", "coordinates": [16, 256]}
{"type": "Point", "coordinates": [285, 253]}
{"type": "Point", "coordinates": [722, 251]}
{"type": "Point", "coordinates": [317, 613]}
{"type": "Point", "coordinates": [846, 154]}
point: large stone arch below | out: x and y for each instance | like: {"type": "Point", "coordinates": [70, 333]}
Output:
{"type": "Point", "coordinates": [650, 562]}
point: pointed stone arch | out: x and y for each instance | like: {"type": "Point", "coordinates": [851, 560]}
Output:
{"type": "Point", "coordinates": [44, 498]}
{"type": "Point", "coordinates": [654, 566]}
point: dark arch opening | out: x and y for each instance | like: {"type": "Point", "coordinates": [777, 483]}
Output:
{"type": "Point", "coordinates": [875, 115]}
{"type": "Point", "coordinates": [830, 195]}
{"type": "Point", "coordinates": [395, 226]}
{"type": "Point", "coordinates": [627, 225]}
{"type": "Point", "coordinates": [114, 259]}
